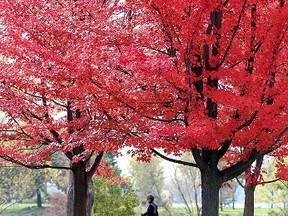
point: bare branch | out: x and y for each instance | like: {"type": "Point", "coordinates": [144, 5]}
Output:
{"type": "Point", "coordinates": [164, 120]}
{"type": "Point", "coordinates": [239, 182]}
{"type": "Point", "coordinates": [32, 166]}
{"type": "Point", "coordinates": [174, 160]}
{"type": "Point", "coordinates": [271, 181]}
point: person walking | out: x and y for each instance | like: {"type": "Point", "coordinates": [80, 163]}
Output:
{"type": "Point", "coordinates": [152, 209]}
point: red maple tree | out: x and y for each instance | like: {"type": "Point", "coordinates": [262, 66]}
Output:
{"type": "Point", "coordinates": [59, 91]}
{"type": "Point", "coordinates": [207, 77]}
{"type": "Point", "coordinates": [218, 70]}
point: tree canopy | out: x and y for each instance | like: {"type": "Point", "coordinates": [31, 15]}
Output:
{"type": "Point", "coordinates": [85, 78]}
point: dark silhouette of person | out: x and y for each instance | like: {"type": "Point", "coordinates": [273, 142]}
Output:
{"type": "Point", "coordinates": [152, 209]}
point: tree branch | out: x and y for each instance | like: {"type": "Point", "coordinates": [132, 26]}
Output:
{"type": "Point", "coordinates": [271, 181]}
{"type": "Point", "coordinates": [95, 164]}
{"type": "Point", "coordinates": [32, 166]}
{"type": "Point", "coordinates": [235, 29]}
{"type": "Point", "coordinates": [185, 163]}
{"type": "Point", "coordinates": [164, 120]}
{"type": "Point", "coordinates": [274, 145]}
{"type": "Point", "coordinates": [238, 168]}
{"type": "Point", "coordinates": [224, 148]}
{"type": "Point", "coordinates": [246, 123]}
{"type": "Point", "coordinates": [239, 182]}
{"type": "Point", "coordinates": [198, 159]}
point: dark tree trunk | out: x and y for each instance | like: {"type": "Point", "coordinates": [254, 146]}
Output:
{"type": "Point", "coordinates": [70, 195]}
{"type": "Point", "coordinates": [210, 192]}
{"type": "Point", "coordinates": [39, 198]}
{"type": "Point", "coordinates": [80, 194]}
{"type": "Point", "coordinates": [249, 200]}
{"type": "Point", "coordinates": [90, 199]}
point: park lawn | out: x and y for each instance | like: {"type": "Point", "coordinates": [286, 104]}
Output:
{"type": "Point", "coordinates": [19, 209]}
{"type": "Point", "coordinates": [226, 211]}
{"type": "Point", "coordinates": [237, 211]}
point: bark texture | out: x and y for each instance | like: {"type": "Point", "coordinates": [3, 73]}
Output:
{"type": "Point", "coordinates": [80, 194]}
{"type": "Point", "coordinates": [249, 200]}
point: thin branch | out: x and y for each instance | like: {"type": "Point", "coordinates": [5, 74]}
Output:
{"type": "Point", "coordinates": [277, 140]}
{"type": "Point", "coordinates": [59, 104]}
{"type": "Point", "coordinates": [155, 49]}
{"type": "Point", "coordinates": [164, 120]}
{"type": "Point", "coordinates": [235, 29]}
{"type": "Point", "coordinates": [284, 184]}
{"type": "Point", "coordinates": [185, 163]}
{"type": "Point", "coordinates": [32, 166]}
{"type": "Point", "coordinates": [237, 63]}
{"type": "Point", "coordinates": [239, 182]}
{"type": "Point", "coordinates": [95, 164]}
{"type": "Point", "coordinates": [246, 123]}
{"type": "Point", "coordinates": [271, 181]}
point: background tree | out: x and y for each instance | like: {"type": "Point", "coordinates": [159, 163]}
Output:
{"type": "Point", "coordinates": [255, 176]}
{"type": "Point", "coordinates": [113, 194]}
{"type": "Point", "coordinates": [274, 192]}
{"type": "Point", "coordinates": [148, 178]}
{"type": "Point", "coordinates": [19, 183]}
{"type": "Point", "coordinates": [228, 195]}
{"type": "Point", "coordinates": [220, 69]}
{"type": "Point", "coordinates": [15, 186]}
{"type": "Point", "coordinates": [113, 198]}
{"type": "Point", "coordinates": [186, 184]}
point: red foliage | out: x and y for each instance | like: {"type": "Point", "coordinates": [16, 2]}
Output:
{"type": "Point", "coordinates": [91, 76]}
{"type": "Point", "coordinates": [58, 88]}
{"type": "Point", "coordinates": [217, 73]}
{"type": "Point", "coordinates": [282, 170]}
{"type": "Point", "coordinates": [105, 170]}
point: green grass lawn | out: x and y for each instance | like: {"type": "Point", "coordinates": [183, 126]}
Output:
{"type": "Point", "coordinates": [239, 212]}
{"type": "Point", "coordinates": [19, 209]}
{"type": "Point", "coordinates": [226, 212]}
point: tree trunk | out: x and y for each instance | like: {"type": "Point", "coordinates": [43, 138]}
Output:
{"type": "Point", "coordinates": [272, 203]}
{"type": "Point", "coordinates": [210, 192]}
{"type": "Point", "coordinates": [249, 200]}
{"type": "Point", "coordinates": [70, 195]}
{"type": "Point", "coordinates": [80, 195]}
{"type": "Point", "coordinates": [80, 200]}
{"type": "Point", "coordinates": [39, 199]}
{"type": "Point", "coordinates": [90, 199]}
{"type": "Point", "coordinates": [45, 193]}
{"type": "Point", "coordinates": [221, 200]}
